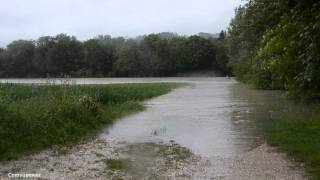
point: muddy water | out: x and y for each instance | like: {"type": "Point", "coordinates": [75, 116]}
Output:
{"type": "Point", "coordinates": [211, 116]}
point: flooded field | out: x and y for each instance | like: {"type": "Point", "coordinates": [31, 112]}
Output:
{"type": "Point", "coordinates": [216, 119]}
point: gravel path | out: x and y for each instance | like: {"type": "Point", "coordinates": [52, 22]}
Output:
{"type": "Point", "coordinates": [87, 161]}
{"type": "Point", "coordinates": [261, 163]}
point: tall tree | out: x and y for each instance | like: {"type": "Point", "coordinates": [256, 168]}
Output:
{"type": "Point", "coordinates": [99, 55]}
{"type": "Point", "coordinates": [66, 55]}
{"type": "Point", "coordinates": [17, 58]}
{"type": "Point", "coordinates": [274, 44]}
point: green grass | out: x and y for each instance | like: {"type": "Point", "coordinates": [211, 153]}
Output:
{"type": "Point", "coordinates": [117, 164]}
{"type": "Point", "coordinates": [35, 117]}
{"type": "Point", "coordinates": [300, 139]}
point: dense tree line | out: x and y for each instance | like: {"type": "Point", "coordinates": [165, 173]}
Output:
{"type": "Point", "coordinates": [161, 54]}
{"type": "Point", "coordinates": [275, 44]}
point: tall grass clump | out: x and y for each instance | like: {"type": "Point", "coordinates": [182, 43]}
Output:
{"type": "Point", "coordinates": [34, 117]}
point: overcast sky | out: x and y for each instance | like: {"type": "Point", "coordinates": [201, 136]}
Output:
{"type": "Point", "coordinates": [29, 19]}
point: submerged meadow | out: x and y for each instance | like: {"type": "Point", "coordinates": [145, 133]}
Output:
{"type": "Point", "coordinates": [35, 117]}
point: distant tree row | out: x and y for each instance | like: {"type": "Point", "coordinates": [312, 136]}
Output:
{"type": "Point", "coordinates": [275, 44]}
{"type": "Point", "coordinates": [152, 55]}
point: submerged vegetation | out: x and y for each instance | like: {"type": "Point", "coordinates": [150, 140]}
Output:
{"type": "Point", "coordinates": [34, 117]}
{"type": "Point", "coordinates": [148, 161]}
{"type": "Point", "coordinates": [116, 164]}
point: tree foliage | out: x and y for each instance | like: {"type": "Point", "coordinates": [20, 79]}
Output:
{"type": "Point", "coordinates": [161, 54]}
{"type": "Point", "coordinates": [274, 44]}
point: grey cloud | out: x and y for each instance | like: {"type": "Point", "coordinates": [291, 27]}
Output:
{"type": "Point", "coordinates": [87, 18]}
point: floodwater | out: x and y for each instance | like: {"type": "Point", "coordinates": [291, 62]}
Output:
{"type": "Point", "coordinates": [213, 117]}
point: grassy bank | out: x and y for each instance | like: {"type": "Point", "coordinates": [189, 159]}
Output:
{"type": "Point", "coordinates": [300, 139]}
{"type": "Point", "coordinates": [35, 117]}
